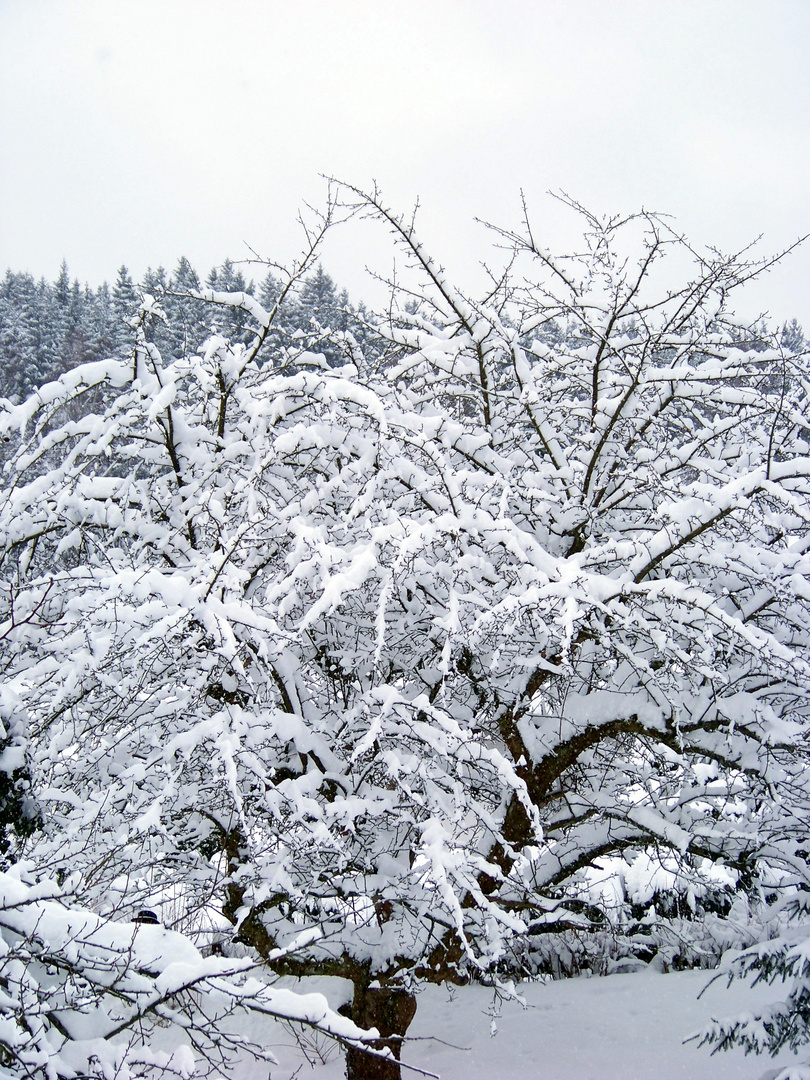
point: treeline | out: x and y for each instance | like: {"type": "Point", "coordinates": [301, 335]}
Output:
{"type": "Point", "coordinates": [47, 328]}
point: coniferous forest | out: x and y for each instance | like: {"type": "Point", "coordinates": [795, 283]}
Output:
{"type": "Point", "coordinates": [48, 328]}
{"type": "Point", "coordinates": [466, 640]}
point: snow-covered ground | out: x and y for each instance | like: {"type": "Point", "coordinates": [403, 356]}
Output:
{"type": "Point", "coordinates": [622, 1027]}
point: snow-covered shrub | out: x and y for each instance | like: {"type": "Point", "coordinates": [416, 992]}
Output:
{"type": "Point", "coordinates": [784, 963]}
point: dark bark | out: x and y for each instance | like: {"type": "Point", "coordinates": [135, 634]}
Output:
{"type": "Point", "coordinates": [390, 1010]}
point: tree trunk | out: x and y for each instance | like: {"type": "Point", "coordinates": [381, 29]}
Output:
{"type": "Point", "coordinates": [390, 1010]}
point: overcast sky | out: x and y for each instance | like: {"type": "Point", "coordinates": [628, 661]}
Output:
{"type": "Point", "coordinates": [136, 131]}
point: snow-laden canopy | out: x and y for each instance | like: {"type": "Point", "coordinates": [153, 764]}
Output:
{"type": "Point", "coordinates": [396, 648]}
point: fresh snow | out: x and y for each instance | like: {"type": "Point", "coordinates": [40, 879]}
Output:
{"type": "Point", "coordinates": [620, 1027]}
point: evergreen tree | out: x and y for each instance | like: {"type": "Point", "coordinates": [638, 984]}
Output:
{"type": "Point", "coordinates": [322, 312]}
{"type": "Point", "coordinates": [270, 292]}
{"type": "Point", "coordinates": [124, 305]}
{"type": "Point", "coordinates": [154, 284]}
{"type": "Point", "coordinates": [75, 348]}
{"type": "Point", "coordinates": [18, 346]}
{"type": "Point", "coordinates": [187, 315]}
{"type": "Point", "coordinates": [30, 334]}
{"type": "Point", "coordinates": [62, 287]}
{"type": "Point", "coordinates": [231, 322]}
{"type": "Point", "coordinates": [793, 337]}
{"type": "Point", "coordinates": [46, 320]}
{"type": "Point", "coordinates": [101, 323]}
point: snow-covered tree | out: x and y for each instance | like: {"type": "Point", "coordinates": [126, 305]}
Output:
{"type": "Point", "coordinates": [397, 650]}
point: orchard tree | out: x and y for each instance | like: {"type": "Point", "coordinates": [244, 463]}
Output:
{"type": "Point", "coordinates": [394, 650]}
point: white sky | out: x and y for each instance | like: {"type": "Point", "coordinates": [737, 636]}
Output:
{"type": "Point", "coordinates": [137, 131]}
